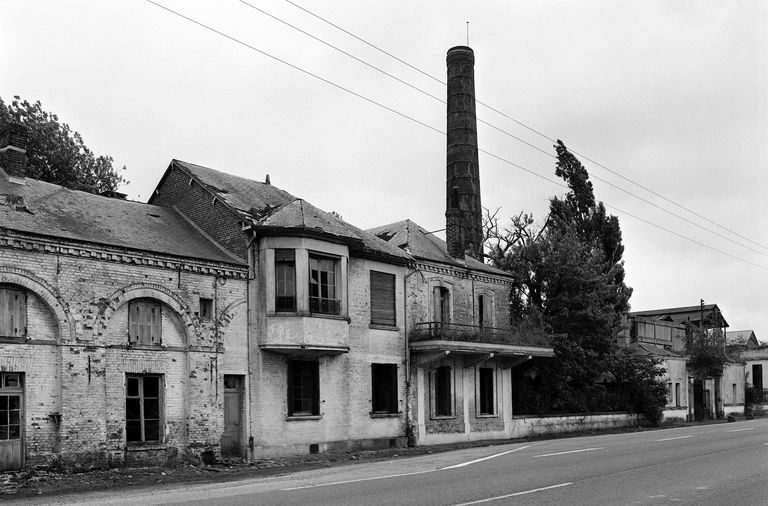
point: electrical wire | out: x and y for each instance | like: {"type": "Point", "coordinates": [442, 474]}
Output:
{"type": "Point", "coordinates": [479, 120]}
{"type": "Point", "coordinates": [541, 134]}
{"type": "Point", "coordinates": [419, 122]}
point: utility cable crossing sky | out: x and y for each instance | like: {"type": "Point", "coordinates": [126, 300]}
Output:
{"type": "Point", "coordinates": [495, 156]}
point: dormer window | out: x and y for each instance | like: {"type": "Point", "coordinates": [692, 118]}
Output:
{"type": "Point", "coordinates": [323, 290]}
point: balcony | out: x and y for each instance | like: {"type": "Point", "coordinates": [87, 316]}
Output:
{"type": "Point", "coordinates": [474, 339]}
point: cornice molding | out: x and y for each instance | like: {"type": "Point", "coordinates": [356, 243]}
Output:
{"type": "Point", "coordinates": [118, 255]}
{"type": "Point", "coordinates": [462, 273]}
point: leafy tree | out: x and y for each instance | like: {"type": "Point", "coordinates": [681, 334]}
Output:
{"type": "Point", "coordinates": [57, 154]}
{"type": "Point", "coordinates": [706, 351]}
{"type": "Point", "coordinates": [569, 276]}
{"type": "Point", "coordinates": [639, 379]}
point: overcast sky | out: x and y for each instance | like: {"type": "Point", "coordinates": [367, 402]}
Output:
{"type": "Point", "coordinates": [672, 95]}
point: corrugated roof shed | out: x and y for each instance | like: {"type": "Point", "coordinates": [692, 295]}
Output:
{"type": "Point", "coordinates": [57, 212]}
{"type": "Point", "coordinates": [683, 314]}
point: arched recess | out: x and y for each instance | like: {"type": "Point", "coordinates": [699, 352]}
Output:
{"type": "Point", "coordinates": [144, 291]}
{"type": "Point", "coordinates": [226, 314]}
{"type": "Point", "coordinates": [46, 292]}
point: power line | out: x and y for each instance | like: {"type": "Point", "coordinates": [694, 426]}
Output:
{"type": "Point", "coordinates": [403, 115]}
{"type": "Point", "coordinates": [541, 134]}
{"type": "Point", "coordinates": [505, 132]}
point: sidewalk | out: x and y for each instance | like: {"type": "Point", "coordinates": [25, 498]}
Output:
{"type": "Point", "coordinates": [40, 482]}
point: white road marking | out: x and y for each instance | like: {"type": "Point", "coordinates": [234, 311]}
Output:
{"type": "Point", "coordinates": [739, 430]}
{"type": "Point", "coordinates": [563, 453]}
{"type": "Point", "coordinates": [515, 494]}
{"type": "Point", "coordinates": [359, 480]}
{"type": "Point", "coordinates": [463, 464]}
{"type": "Point", "coordinates": [672, 438]}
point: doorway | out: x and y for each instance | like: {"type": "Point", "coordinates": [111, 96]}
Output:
{"type": "Point", "coordinates": [232, 437]}
{"type": "Point", "coordinates": [11, 421]}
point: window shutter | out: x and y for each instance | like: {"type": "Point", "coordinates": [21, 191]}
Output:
{"type": "Point", "coordinates": [156, 323]}
{"type": "Point", "coordinates": [21, 314]}
{"type": "Point", "coordinates": [383, 299]}
{"type": "Point", "coordinates": [437, 311]}
{"type": "Point", "coordinates": [5, 318]}
{"type": "Point", "coordinates": [133, 322]}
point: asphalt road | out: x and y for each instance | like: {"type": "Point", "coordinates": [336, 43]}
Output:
{"type": "Point", "coordinates": [723, 464]}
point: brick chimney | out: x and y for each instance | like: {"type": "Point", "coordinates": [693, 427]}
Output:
{"type": "Point", "coordinates": [13, 152]}
{"type": "Point", "coordinates": [463, 215]}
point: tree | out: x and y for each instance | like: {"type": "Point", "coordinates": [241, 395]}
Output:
{"type": "Point", "coordinates": [569, 276]}
{"type": "Point", "coordinates": [57, 154]}
{"type": "Point", "coordinates": [639, 379]}
{"type": "Point", "coordinates": [706, 351]}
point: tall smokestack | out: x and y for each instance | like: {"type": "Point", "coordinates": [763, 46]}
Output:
{"type": "Point", "coordinates": [463, 215]}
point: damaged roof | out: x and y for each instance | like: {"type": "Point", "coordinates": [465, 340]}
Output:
{"type": "Point", "coordinates": [272, 210]}
{"type": "Point", "coordinates": [683, 314]}
{"type": "Point", "coordinates": [421, 244]}
{"type": "Point", "coordinates": [54, 211]}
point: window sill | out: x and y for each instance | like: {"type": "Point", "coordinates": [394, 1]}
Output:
{"type": "Point", "coordinates": [386, 415]}
{"type": "Point", "coordinates": [486, 415]}
{"type": "Point", "coordinates": [141, 446]}
{"type": "Point", "coordinates": [139, 346]}
{"type": "Point", "coordinates": [303, 314]}
{"type": "Point", "coordinates": [301, 418]}
{"type": "Point", "coordinates": [442, 417]}
{"type": "Point", "coordinates": [384, 327]}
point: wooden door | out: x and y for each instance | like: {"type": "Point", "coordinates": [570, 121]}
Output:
{"type": "Point", "coordinates": [231, 439]}
{"type": "Point", "coordinates": [11, 422]}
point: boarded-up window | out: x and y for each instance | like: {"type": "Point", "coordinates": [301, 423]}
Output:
{"type": "Point", "coordinates": [145, 322]}
{"type": "Point", "coordinates": [13, 313]}
{"type": "Point", "coordinates": [384, 388]}
{"type": "Point", "coordinates": [382, 299]}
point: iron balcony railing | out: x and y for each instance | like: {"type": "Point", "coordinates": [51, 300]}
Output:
{"type": "Point", "coordinates": [459, 332]}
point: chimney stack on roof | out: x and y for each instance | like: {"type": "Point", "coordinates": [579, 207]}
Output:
{"type": "Point", "coordinates": [463, 215]}
{"type": "Point", "coordinates": [13, 151]}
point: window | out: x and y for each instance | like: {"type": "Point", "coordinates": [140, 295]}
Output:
{"type": "Point", "coordinates": [322, 285]}
{"type": "Point", "coordinates": [144, 322]}
{"type": "Point", "coordinates": [384, 384]}
{"type": "Point", "coordinates": [677, 394]}
{"type": "Point", "coordinates": [733, 399]}
{"type": "Point", "coordinates": [285, 280]}
{"type": "Point", "coordinates": [142, 408]}
{"type": "Point", "coordinates": [303, 388]}
{"type": "Point", "coordinates": [206, 309]}
{"type": "Point", "coordinates": [670, 398]}
{"type": "Point", "coordinates": [13, 313]}
{"type": "Point", "coordinates": [443, 391]}
{"type": "Point", "coordinates": [481, 321]}
{"type": "Point", "coordinates": [442, 301]}
{"type": "Point", "coordinates": [486, 390]}
{"type": "Point", "coordinates": [10, 406]}
{"type": "Point", "coordinates": [382, 299]}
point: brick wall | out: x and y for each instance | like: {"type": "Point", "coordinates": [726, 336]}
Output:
{"type": "Point", "coordinates": [77, 356]}
{"type": "Point", "coordinates": [198, 205]}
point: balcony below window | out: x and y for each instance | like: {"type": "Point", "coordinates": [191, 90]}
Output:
{"type": "Point", "coordinates": [304, 336]}
{"type": "Point", "coordinates": [460, 338]}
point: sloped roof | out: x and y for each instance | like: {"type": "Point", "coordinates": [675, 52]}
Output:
{"type": "Point", "coordinates": [423, 245]}
{"type": "Point", "coordinates": [654, 351]}
{"type": "Point", "coordinates": [273, 210]}
{"type": "Point", "coordinates": [58, 212]}
{"type": "Point", "coordinates": [682, 314]}
{"type": "Point", "coordinates": [741, 337]}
